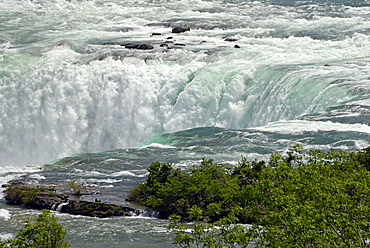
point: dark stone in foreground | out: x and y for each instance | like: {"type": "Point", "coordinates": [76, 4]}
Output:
{"type": "Point", "coordinates": [35, 197]}
{"type": "Point", "coordinates": [96, 209]}
{"type": "Point", "coordinates": [180, 29]}
{"type": "Point", "coordinates": [138, 46]}
{"type": "Point", "coordinates": [231, 39]}
{"type": "Point", "coordinates": [129, 45]}
{"type": "Point", "coordinates": [109, 44]}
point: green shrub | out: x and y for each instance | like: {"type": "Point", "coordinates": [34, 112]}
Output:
{"type": "Point", "coordinates": [45, 232]}
{"type": "Point", "coordinates": [76, 187]}
{"type": "Point", "coordinates": [300, 199]}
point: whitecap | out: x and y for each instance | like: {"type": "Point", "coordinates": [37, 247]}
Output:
{"type": "Point", "coordinates": [20, 169]}
{"type": "Point", "coordinates": [127, 173]}
{"type": "Point", "coordinates": [156, 145]}
{"type": "Point", "coordinates": [4, 236]}
{"type": "Point", "coordinates": [108, 180]}
{"type": "Point", "coordinates": [301, 126]}
{"type": "Point", "coordinates": [107, 186]}
{"type": "Point", "coordinates": [5, 214]}
{"type": "Point", "coordinates": [37, 177]}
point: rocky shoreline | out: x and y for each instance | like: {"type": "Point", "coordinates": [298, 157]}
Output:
{"type": "Point", "coordinates": [47, 197]}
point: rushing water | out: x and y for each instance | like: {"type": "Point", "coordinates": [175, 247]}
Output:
{"type": "Point", "coordinates": [72, 108]}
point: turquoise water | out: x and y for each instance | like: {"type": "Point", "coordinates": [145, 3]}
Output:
{"type": "Point", "coordinates": [72, 108]}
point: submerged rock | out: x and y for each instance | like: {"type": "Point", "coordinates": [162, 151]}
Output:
{"type": "Point", "coordinates": [44, 197]}
{"type": "Point", "coordinates": [138, 46]}
{"type": "Point", "coordinates": [109, 44]}
{"type": "Point", "coordinates": [180, 29]}
{"type": "Point", "coordinates": [129, 45]}
{"type": "Point", "coordinates": [231, 39]}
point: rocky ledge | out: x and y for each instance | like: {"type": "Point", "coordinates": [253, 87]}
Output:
{"type": "Point", "coordinates": [44, 197]}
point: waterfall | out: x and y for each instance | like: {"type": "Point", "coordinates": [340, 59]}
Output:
{"type": "Point", "coordinates": [56, 106]}
{"type": "Point", "coordinates": [149, 213]}
{"type": "Point", "coordinates": [60, 206]}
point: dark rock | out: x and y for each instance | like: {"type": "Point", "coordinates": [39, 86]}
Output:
{"type": "Point", "coordinates": [175, 47]}
{"type": "Point", "coordinates": [138, 46]}
{"type": "Point", "coordinates": [179, 44]}
{"type": "Point", "coordinates": [145, 47]}
{"type": "Point", "coordinates": [169, 38]}
{"type": "Point", "coordinates": [33, 197]}
{"type": "Point", "coordinates": [326, 65]}
{"type": "Point", "coordinates": [154, 34]}
{"type": "Point", "coordinates": [231, 39]}
{"type": "Point", "coordinates": [180, 29]}
{"type": "Point", "coordinates": [236, 46]}
{"type": "Point", "coordinates": [40, 197]}
{"type": "Point", "coordinates": [95, 209]}
{"type": "Point", "coordinates": [109, 44]}
{"type": "Point", "coordinates": [163, 45]}
{"type": "Point", "coordinates": [124, 29]}
{"type": "Point", "coordinates": [129, 45]}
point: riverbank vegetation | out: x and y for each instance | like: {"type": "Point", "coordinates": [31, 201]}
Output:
{"type": "Point", "coordinates": [44, 232]}
{"type": "Point", "coordinates": [298, 199]}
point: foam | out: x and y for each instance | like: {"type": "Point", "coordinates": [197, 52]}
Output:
{"type": "Point", "coordinates": [9, 173]}
{"type": "Point", "coordinates": [108, 180]}
{"type": "Point", "coordinates": [156, 145]}
{"type": "Point", "coordinates": [5, 214]}
{"type": "Point", "coordinates": [37, 176]}
{"type": "Point", "coordinates": [20, 169]}
{"type": "Point", "coordinates": [80, 96]}
{"type": "Point", "coordinates": [301, 126]}
{"type": "Point", "coordinates": [5, 236]}
{"type": "Point", "coordinates": [127, 173]}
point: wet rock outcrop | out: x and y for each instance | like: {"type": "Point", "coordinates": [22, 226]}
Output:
{"type": "Point", "coordinates": [129, 45]}
{"type": "Point", "coordinates": [44, 197]}
{"type": "Point", "coordinates": [180, 29]}
{"type": "Point", "coordinates": [138, 46]}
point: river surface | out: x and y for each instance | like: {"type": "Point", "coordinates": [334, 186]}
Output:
{"type": "Point", "coordinates": [249, 78]}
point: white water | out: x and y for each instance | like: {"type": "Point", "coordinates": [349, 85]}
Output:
{"type": "Point", "coordinates": [308, 126]}
{"type": "Point", "coordinates": [5, 214]}
{"type": "Point", "coordinates": [62, 93]}
{"type": "Point", "coordinates": [60, 206]}
{"type": "Point", "coordinates": [58, 108]}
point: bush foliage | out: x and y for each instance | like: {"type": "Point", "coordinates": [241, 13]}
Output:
{"type": "Point", "coordinates": [45, 232]}
{"type": "Point", "coordinates": [300, 199]}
